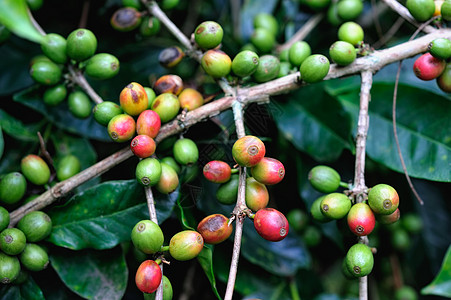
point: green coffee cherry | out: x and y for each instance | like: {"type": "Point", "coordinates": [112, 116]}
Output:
{"type": "Point", "coordinates": [208, 35]}
{"type": "Point", "coordinates": [440, 48]}
{"type": "Point", "coordinates": [316, 5]}
{"type": "Point", "coordinates": [105, 111]}
{"type": "Point", "coordinates": [266, 21]}
{"type": "Point", "coordinates": [284, 55]}
{"type": "Point", "coordinates": [67, 166]}
{"type": "Point", "coordinates": [228, 191]}
{"type": "Point", "coordinates": [359, 260]}
{"type": "Point", "coordinates": [12, 241]}
{"type": "Point", "coordinates": [167, 291]}
{"type": "Point", "coordinates": [186, 245]}
{"type": "Point", "coordinates": [216, 63]}
{"type": "Point", "coordinates": [351, 32]}
{"type": "Point", "coordinates": [132, 3]}
{"type": "Point", "coordinates": [332, 15]}
{"type": "Point", "coordinates": [444, 80]}
{"type": "Point", "coordinates": [169, 180]}
{"type": "Point", "coordinates": [170, 161]}
{"type": "Point", "coordinates": [79, 104]}
{"type": "Point", "coordinates": [147, 236]}
{"type": "Point", "coordinates": [54, 95]}
{"type": "Point", "coordinates": [421, 10]}
{"type": "Point", "coordinates": [36, 226]}
{"type": "Point", "coordinates": [298, 52]}
{"type": "Point", "coordinates": [316, 213]}
{"type": "Point", "coordinates": [406, 293]}
{"type": "Point", "coordinates": [35, 169]}
{"type": "Point", "coordinates": [149, 26]}
{"type": "Point", "coordinates": [9, 268]}
{"type": "Point", "coordinates": [285, 69]}
{"type": "Point", "coordinates": [150, 95]}
{"type": "Point", "coordinates": [263, 39]}
{"type": "Point", "coordinates": [349, 9]}
{"type": "Point", "coordinates": [342, 53]}
{"type": "Point", "coordinates": [167, 106]}
{"type": "Point", "coordinates": [45, 72]}
{"type": "Point", "coordinates": [12, 187]}
{"type": "Point", "coordinates": [81, 44]}
{"type": "Point", "coordinates": [267, 69]}
{"type": "Point", "coordinates": [54, 47]}
{"type": "Point", "coordinates": [102, 66]}
{"type": "Point", "coordinates": [314, 68]}
{"type": "Point", "coordinates": [324, 179]}
{"type": "Point", "coordinates": [400, 239]}
{"type": "Point", "coordinates": [4, 218]}
{"type": "Point", "coordinates": [445, 10]}
{"type": "Point", "coordinates": [298, 219]}
{"type": "Point", "coordinates": [383, 199]}
{"type": "Point", "coordinates": [169, 4]}
{"type": "Point", "coordinates": [245, 63]}
{"type": "Point", "coordinates": [34, 257]}
{"type": "Point", "coordinates": [311, 236]}
{"type": "Point", "coordinates": [148, 171]}
{"type": "Point", "coordinates": [185, 151]}
{"type": "Point", "coordinates": [335, 205]}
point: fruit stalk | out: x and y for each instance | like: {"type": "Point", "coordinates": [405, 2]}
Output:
{"type": "Point", "coordinates": [404, 12]}
{"type": "Point", "coordinates": [78, 78]}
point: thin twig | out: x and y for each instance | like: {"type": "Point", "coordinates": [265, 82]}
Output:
{"type": "Point", "coordinates": [78, 78]}
{"type": "Point", "coordinates": [84, 14]}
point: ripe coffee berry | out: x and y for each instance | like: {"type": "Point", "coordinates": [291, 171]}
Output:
{"type": "Point", "coordinates": [148, 276]}
{"type": "Point", "coordinates": [217, 171]}
{"type": "Point", "coordinates": [427, 67]}
{"type": "Point", "coordinates": [248, 151]}
{"type": "Point", "coordinates": [190, 99]}
{"type": "Point", "coordinates": [148, 123]}
{"type": "Point", "coordinates": [133, 99]}
{"type": "Point", "coordinates": [143, 146]}
{"type": "Point", "coordinates": [186, 245]}
{"type": "Point", "coordinates": [361, 220]}
{"type": "Point", "coordinates": [121, 128]}
{"type": "Point", "coordinates": [383, 199]}
{"type": "Point", "coordinates": [214, 228]}
{"type": "Point", "coordinates": [268, 171]}
{"type": "Point", "coordinates": [271, 224]}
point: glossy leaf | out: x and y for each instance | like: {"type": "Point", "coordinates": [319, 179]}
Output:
{"type": "Point", "coordinates": [28, 290]}
{"type": "Point", "coordinates": [103, 216]}
{"type": "Point", "coordinates": [17, 129]}
{"type": "Point", "coordinates": [422, 126]}
{"type": "Point", "coordinates": [90, 273]}
{"type": "Point", "coordinates": [14, 15]}
{"type": "Point", "coordinates": [205, 259]}
{"type": "Point", "coordinates": [441, 285]}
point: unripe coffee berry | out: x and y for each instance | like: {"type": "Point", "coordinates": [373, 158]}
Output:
{"type": "Point", "coordinates": [316, 213]}
{"type": "Point", "coordinates": [342, 53]}
{"type": "Point", "coordinates": [45, 72]}
{"type": "Point", "coordinates": [169, 83]}
{"type": "Point", "coordinates": [383, 199]}
{"type": "Point", "coordinates": [440, 48]}
{"type": "Point", "coordinates": [103, 112]}
{"type": "Point", "coordinates": [147, 236]}
{"type": "Point", "coordinates": [102, 66]}
{"type": "Point", "coordinates": [12, 241]}
{"type": "Point", "coordinates": [245, 63]}
{"type": "Point", "coordinates": [167, 291]}
{"type": "Point", "coordinates": [298, 219]}
{"type": "Point", "coordinates": [121, 128]}
{"type": "Point", "coordinates": [421, 10]}
{"type": "Point", "coordinates": [351, 32]}
{"type": "Point", "coordinates": [150, 95]}
{"type": "Point", "coordinates": [257, 196]}
{"type": "Point", "coordinates": [263, 39]}
{"type": "Point", "coordinates": [444, 80]}
{"type": "Point", "coordinates": [36, 226]}
{"type": "Point", "coordinates": [324, 179]}
{"type": "Point", "coordinates": [314, 68]}
{"type": "Point", "coordinates": [215, 229]}
{"type": "Point", "coordinates": [267, 21]}
{"type": "Point", "coordinates": [35, 169]}
{"type": "Point", "coordinates": [34, 257]}
{"type": "Point", "coordinates": [268, 171]}
{"type": "Point", "coordinates": [143, 146]}
{"type": "Point", "coordinates": [217, 171]}
{"type": "Point", "coordinates": [335, 205]}
{"type": "Point", "coordinates": [167, 106]}
{"type": "Point", "coordinates": [271, 224]}
{"type": "Point", "coordinates": [298, 52]}
{"type": "Point", "coordinates": [12, 187]}
{"type": "Point", "coordinates": [247, 151]}
{"type": "Point", "coordinates": [133, 99]}
{"type": "Point", "coordinates": [171, 56]}
{"type": "Point", "coordinates": [208, 35]}
{"type": "Point", "coordinates": [149, 26]}
{"type": "Point", "coordinates": [54, 47]}
{"type": "Point", "coordinates": [361, 220]}
{"type": "Point", "coordinates": [427, 67]}
{"type": "Point", "coordinates": [359, 260]}
{"type": "Point", "coordinates": [190, 99]}
{"type": "Point", "coordinates": [67, 166]}
{"type": "Point", "coordinates": [445, 10]}
{"type": "Point", "coordinates": [4, 218]}
{"type": "Point", "coordinates": [216, 63]}
{"type": "Point", "coordinates": [169, 180]}
{"type": "Point", "coordinates": [126, 19]}
{"type": "Point", "coordinates": [227, 192]}
{"type": "Point", "coordinates": [79, 104]}
{"type": "Point", "coordinates": [170, 161]}
{"type": "Point", "coordinates": [268, 68]}
{"type": "Point", "coordinates": [349, 9]}
{"type": "Point", "coordinates": [54, 95]}
{"type": "Point", "coordinates": [9, 268]}
{"type": "Point", "coordinates": [148, 123]}
{"type": "Point", "coordinates": [148, 276]}
{"type": "Point", "coordinates": [148, 171]}
{"type": "Point", "coordinates": [81, 44]}
{"type": "Point", "coordinates": [185, 151]}
{"type": "Point", "coordinates": [186, 245]}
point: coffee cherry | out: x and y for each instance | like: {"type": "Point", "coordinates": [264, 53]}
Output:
{"type": "Point", "coordinates": [332, 15]}
{"type": "Point", "coordinates": [298, 219]}
{"type": "Point", "coordinates": [121, 128]}
{"type": "Point", "coordinates": [79, 104]}
{"type": "Point", "coordinates": [215, 229]}
{"type": "Point", "coordinates": [248, 150]}
{"type": "Point", "coordinates": [361, 220]}
{"type": "Point", "coordinates": [351, 32]}
{"type": "Point", "coordinates": [267, 21]}
{"type": "Point", "coordinates": [142, 146]}
{"type": "Point", "coordinates": [35, 4]}
{"type": "Point", "coordinates": [36, 226]}
{"type": "Point", "coordinates": [102, 66]}
{"type": "Point", "coordinates": [444, 80]}
{"type": "Point", "coordinates": [268, 68]}
{"type": "Point", "coordinates": [150, 95]}
{"type": "Point", "coordinates": [263, 39]}
{"type": "Point", "coordinates": [35, 169]}
{"type": "Point", "coordinates": [316, 5]}
{"type": "Point", "coordinates": [298, 52]}
{"type": "Point", "coordinates": [170, 57]}
{"type": "Point", "coordinates": [148, 171]}
{"type": "Point", "coordinates": [167, 106]}
{"type": "Point", "coordinates": [54, 95]}
{"type": "Point", "coordinates": [4, 218]}
{"type": "Point", "coordinates": [314, 68]}
{"type": "Point", "coordinates": [245, 63]}
{"type": "Point", "coordinates": [81, 44]}
{"type": "Point", "coordinates": [349, 9]}
{"type": "Point", "coordinates": [271, 224]}
{"type": "Point", "coordinates": [400, 239]}
{"type": "Point", "coordinates": [148, 276]}
{"type": "Point", "coordinates": [54, 47]}
{"type": "Point", "coordinates": [324, 179]}
{"type": "Point", "coordinates": [316, 213]}
{"type": "Point", "coordinates": [67, 166]}
{"type": "Point", "coordinates": [170, 161]}
{"type": "Point", "coordinates": [169, 84]}
{"type": "Point", "coordinates": [148, 123]}
{"type": "Point", "coordinates": [335, 205]}
{"type": "Point", "coordinates": [103, 112]}
{"type": "Point", "coordinates": [257, 196]}
{"type": "Point", "coordinates": [149, 26]}
{"type": "Point", "coordinates": [12, 241]}
{"type": "Point", "coordinates": [342, 53]}
{"type": "Point", "coordinates": [421, 10]}
{"type": "Point", "coordinates": [268, 171]}
{"type": "Point", "coordinates": [34, 257]}
{"type": "Point", "coordinates": [45, 72]}
{"type": "Point", "coordinates": [216, 63]}
{"type": "Point", "coordinates": [190, 99]}
{"type": "Point", "coordinates": [389, 219]}
{"type": "Point", "coordinates": [427, 67]}
{"type": "Point", "coordinates": [406, 293]}
{"type": "Point", "coordinates": [9, 268]}
{"type": "Point", "coordinates": [185, 151]}
{"type": "Point", "coordinates": [383, 199]}
{"type": "Point", "coordinates": [169, 180]}
{"type": "Point", "coordinates": [440, 48]}
{"type": "Point", "coordinates": [359, 260]}
{"type": "Point", "coordinates": [285, 69]}
{"type": "Point", "coordinates": [126, 19]}
{"type": "Point", "coordinates": [311, 236]}
{"type": "Point", "coordinates": [12, 187]}
{"type": "Point", "coordinates": [208, 35]}
{"type": "Point", "coordinates": [190, 173]}
{"type": "Point", "coordinates": [445, 10]}
{"type": "Point", "coordinates": [412, 223]}
{"type": "Point", "coordinates": [186, 245]}
{"type": "Point", "coordinates": [133, 99]}
{"type": "Point", "coordinates": [227, 192]}
{"type": "Point", "coordinates": [167, 291]}
{"type": "Point", "coordinates": [217, 171]}
{"type": "Point", "coordinates": [147, 236]}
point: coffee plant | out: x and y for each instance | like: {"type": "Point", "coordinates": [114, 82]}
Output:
{"type": "Point", "coordinates": [175, 149]}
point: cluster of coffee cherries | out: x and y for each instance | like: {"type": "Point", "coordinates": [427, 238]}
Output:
{"type": "Point", "coordinates": [381, 205]}
{"type": "Point", "coordinates": [78, 51]}
{"type": "Point", "coordinates": [249, 151]}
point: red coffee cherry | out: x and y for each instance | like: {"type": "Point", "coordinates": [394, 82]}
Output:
{"type": "Point", "coordinates": [361, 219]}
{"type": "Point", "coordinates": [217, 171]}
{"type": "Point", "coordinates": [271, 224]}
{"type": "Point", "coordinates": [215, 228]}
{"type": "Point", "coordinates": [268, 171]}
{"type": "Point", "coordinates": [143, 146]}
{"type": "Point", "coordinates": [148, 123]}
{"type": "Point", "coordinates": [168, 84]}
{"type": "Point", "coordinates": [248, 151]}
{"type": "Point", "coordinates": [389, 219]}
{"type": "Point", "coordinates": [428, 67]}
{"type": "Point", "coordinates": [121, 128]}
{"type": "Point", "coordinates": [148, 276]}
{"type": "Point", "coordinates": [257, 196]}
{"type": "Point", "coordinates": [133, 99]}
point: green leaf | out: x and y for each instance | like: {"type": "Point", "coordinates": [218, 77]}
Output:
{"type": "Point", "coordinates": [28, 290]}
{"type": "Point", "coordinates": [322, 133]}
{"type": "Point", "coordinates": [422, 126]}
{"type": "Point", "coordinates": [205, 259]}
{"type": "Point", "coordinates": [104, 215]}
{"type": "Point", "coordinates": [90, 273]}
{"type": "Point", "coordinates": [17, 129]}
{"type": "Point", "coordinates": [441, 285]}
{"type": "Point", "coordinates": [14, 15]}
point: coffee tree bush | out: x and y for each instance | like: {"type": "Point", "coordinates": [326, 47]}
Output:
{"type": "Point", "coordinates": [294, 149]}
